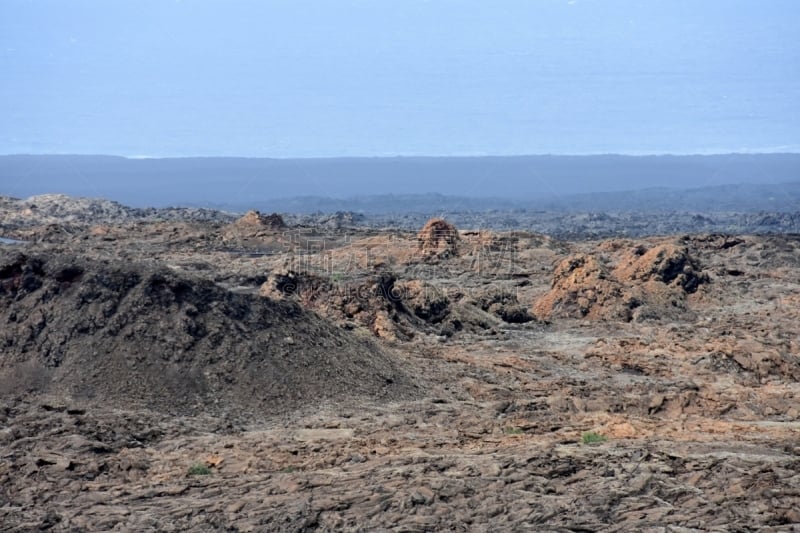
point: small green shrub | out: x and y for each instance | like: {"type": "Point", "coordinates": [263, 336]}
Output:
{"type": "Point", "coordinates": [199, 469]}
{"type": "Point", "coordinates": [593, 438]}
{"type": "Point", "coordinates": [513, 430]}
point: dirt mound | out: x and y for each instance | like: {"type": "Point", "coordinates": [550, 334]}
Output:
{"type": "Point", "coordinates": [645, 284]}
{"type": "Point", "coordinates": [438, 237]}
{"type": "Point", "coordinates": [146, 336]}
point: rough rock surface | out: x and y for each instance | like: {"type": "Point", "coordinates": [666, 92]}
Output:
{"type": "Point", "coordinates": [394, 308]}
{"type": "Point", "coordinates": [669, 264]}
{"type": "Point", "coordinates": [18, 214]}
{"type": "Point", "coordinates": [684, 420]}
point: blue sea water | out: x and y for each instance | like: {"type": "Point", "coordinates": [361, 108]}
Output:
{"type": "Point", "coordinates": [310, 78]}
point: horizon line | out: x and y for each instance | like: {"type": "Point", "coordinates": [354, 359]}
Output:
{"type": "Point", "coordinates": [142, 157]}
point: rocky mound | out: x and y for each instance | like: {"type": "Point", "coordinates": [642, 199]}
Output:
{"type": "Point", "coordinates": [393, 308]}
{"type": "Point", "coordinates": [335, 221]}
{"type": "Point", "coordinates": [388, 308]}
{"type": "Point", "coordinates": [503, 304]}
{"type": "Point", "coordinates": [254, 220]}
{"type": "Point", "coordinates": [254, 229]}
{"type": "Point", "coordinates": [438, 237]}
{"type": "Point", "coordinates": [644, 284]}
{"type": "Point", "coordinates": [128, 335]}
{"type": "Point", "coordinates": [667, 263]}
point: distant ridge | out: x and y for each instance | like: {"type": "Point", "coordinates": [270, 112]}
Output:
{"type": "Point", "coordinates": [781, 197]}
{"type": "Point", "coordinates": [234, 181]}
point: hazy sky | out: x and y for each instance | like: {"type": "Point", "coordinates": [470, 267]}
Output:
{"type": "Point", "coordinates": [301, 78]}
